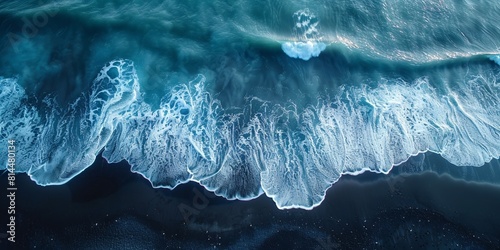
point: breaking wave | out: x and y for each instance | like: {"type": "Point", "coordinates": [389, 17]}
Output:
{"type": "Point", "coordinates": [308, 43]}
{"type": "Point", "coordinates": [293, 154]}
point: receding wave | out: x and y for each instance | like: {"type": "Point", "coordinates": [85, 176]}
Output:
{"type": "Point", "coordinates": [292, 153]}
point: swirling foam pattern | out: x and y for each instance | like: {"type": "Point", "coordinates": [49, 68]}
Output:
{"type": "Point", "coordinates": [291, 154]}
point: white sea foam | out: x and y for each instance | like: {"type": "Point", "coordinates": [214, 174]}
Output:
{"type": "Point", "coordinates": [303, 50]}
{"type": "Point", "coordinates": [291, 154]}
{"type": "Point", "coordinates": [308, 40]}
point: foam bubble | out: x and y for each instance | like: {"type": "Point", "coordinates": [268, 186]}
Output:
{"type": "Point", "coordinates": [307, 35]}
{"type": "Point", "coordinates": [303, 50]}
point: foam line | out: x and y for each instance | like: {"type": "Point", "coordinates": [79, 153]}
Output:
{"type": "Point", "coordinates": [292, 154]}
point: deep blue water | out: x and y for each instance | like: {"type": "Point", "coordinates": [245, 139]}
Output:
{"type": "Point", "coordinates": [260, 102]}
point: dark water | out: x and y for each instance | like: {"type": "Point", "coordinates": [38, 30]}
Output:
{"type": "Point", "coordinates": [107, 207]}
{"type": "Point", "coordinates": [267, 104]}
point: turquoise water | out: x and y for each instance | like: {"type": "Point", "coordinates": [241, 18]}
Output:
{"type": "Point", "coordinates": [248, 98]}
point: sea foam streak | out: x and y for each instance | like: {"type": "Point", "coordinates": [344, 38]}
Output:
{"type": "Point", "coordinates": [292, 155]}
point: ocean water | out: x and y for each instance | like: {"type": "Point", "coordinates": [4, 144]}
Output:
{"type": "Point", "coordinates": [251, 99]}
